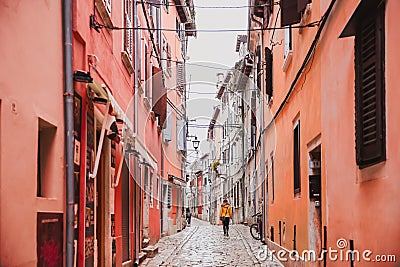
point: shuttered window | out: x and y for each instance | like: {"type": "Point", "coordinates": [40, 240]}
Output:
{"type": "Point", "coordinates": [369, 89]}
{"type": "Point", "coordinates": [289, 12]}
{"type": "Point", "coordinates": [268, 74]}
{"type": "Point", "coordinates": [128, 34]}
{"type": "Point", "coordinates": [126, 246]}
{"type": "Point", "coordinates": [259, 68]}
{"type": "Point", "coordinates": [296, 159]}
{"type": "Point", "coordinates": [180, 76]}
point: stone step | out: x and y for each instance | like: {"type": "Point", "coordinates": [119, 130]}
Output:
{"type": "Point", "coordinates": [151, 251]}
{"type": "Point", "coordinates": [142, 257]}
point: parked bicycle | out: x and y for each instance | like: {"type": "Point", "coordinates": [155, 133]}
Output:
{"type": "Point", "coordinates": [256, 228]}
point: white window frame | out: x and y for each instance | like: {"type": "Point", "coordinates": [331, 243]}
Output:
{"type": "Point", "coordinates": [288, 48]}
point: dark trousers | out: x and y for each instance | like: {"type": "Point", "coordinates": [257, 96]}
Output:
{"type": "Point", "coordinates": [225, 224]}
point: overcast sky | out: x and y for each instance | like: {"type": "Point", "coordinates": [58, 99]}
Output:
{"type": "Point", "coordinates": [209, 54]}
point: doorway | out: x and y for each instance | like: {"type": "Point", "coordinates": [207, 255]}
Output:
{"type": "Point", "coordinates": [100, 205]}
{"type": "Point", "coordinates": [315, 211]}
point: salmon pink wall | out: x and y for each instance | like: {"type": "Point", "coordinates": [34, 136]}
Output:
{"type": "Point", "coordinates": [362, 204]}
{"type": "Point", "coordinates": [31, 87]}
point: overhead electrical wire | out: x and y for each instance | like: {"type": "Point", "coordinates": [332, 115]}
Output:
{"type": "Point", "coordinates": [210, 7]}
{"type": "Point", "coordinates": [311, 24]}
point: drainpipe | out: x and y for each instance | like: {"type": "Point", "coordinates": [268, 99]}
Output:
{"type": "Point", "coordinates": [69, 132]}
{"type": "Point", "coordinates": [135, 119]}
{"type": "Point", "coordinates": [135, 65]}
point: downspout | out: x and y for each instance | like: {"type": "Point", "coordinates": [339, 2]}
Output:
{"type": "Point", "coordinates": [135, 124]}
{"type": "Point", "coordinates": [69, 132]}
{"type": "Point", "coordinates": [136, 66]}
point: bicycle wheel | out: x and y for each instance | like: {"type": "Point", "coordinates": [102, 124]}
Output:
{"type": "Point", "coordinates": [255, 231]}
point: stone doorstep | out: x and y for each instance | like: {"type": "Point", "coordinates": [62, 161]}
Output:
{"type": "Point", "coordinates": [142, 257]}
{"type": "Point", "coordinates": [151, 251]}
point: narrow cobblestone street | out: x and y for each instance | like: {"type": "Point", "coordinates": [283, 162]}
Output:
{"type": "Point", "coordinates": [203, 244]}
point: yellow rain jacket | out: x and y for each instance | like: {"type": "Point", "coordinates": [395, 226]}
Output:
{"type": "Point", "coordinates": [225, 211]}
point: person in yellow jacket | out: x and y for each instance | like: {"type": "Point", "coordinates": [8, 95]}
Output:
{"type": "Point", "coordinates": [225, 215]}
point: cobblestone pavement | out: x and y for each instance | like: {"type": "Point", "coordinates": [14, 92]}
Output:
{"type": "Point", "coordinates": [203, 244]}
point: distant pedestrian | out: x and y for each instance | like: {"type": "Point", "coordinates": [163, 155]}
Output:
{"type": "Point", "coordinates": [225, 216]}
{"type": "Point", "coordinates": [188, 215]}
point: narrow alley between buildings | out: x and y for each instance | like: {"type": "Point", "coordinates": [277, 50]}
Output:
{"type": "Point", "coordinates": [203, 244]}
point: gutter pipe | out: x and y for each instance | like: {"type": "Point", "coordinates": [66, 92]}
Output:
{"type": "Point", "coordinates": [69, 132]}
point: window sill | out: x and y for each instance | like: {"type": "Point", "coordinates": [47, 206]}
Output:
{"type": "Point", "coordinates": [287, 61]}
{"type": "Point", "coordinates": [127, 62]}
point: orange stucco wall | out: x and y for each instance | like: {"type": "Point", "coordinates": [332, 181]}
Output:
{"type": "Point", "coordinates": [31, 87]}
{"type": "Point", "coordinates": [304, 106]}
{"type": "Point", "coordinates": [361, 204]}
{"type": "Point", "coordinates": [356, 204]}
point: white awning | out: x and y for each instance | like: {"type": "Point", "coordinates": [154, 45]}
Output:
{"type": "Point", "coordinates": [102, 91]}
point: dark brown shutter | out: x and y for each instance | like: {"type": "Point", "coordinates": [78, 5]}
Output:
{"type": "Point", "coordinates": [289, 13]}
{"type": "Point", "coordinates": [296, 159]}
{"type": "Point", "coordinates": [259, 68]}
{"type": "Point", "coordinates": [369, 93]}
{"type": "Point", "coordinates": [125, 213]}
{"type": "Point", "coordinates": [159, 97]}
{"type": "Point", "coordinates": [268, 73]}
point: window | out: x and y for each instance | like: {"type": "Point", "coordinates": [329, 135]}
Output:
{"type": "Point", "coordinates": [167, 132]}
{"type": "Point", "coordinates": [164, 54]}
{"type": "Point", "coordinates": [146, 179]}
{"type": "Point", "coordinates": [157, 194]}
{"type": "Point", "coordinates": [46, 136]}
{"type": "Point", "coordinates": [288, 48]}
{"type": "Point", "coordinates": [126, 207]}
{"type": "Point", "coordinates": [369, 89]}
{"type": "Point", "coordinates": [177, 27]}
{"type": "Point", "coordinates": [169, 59]}
{"type": "Point", "coordinates": [169, 196]}
{"type": "Point", "coordinates": [268, 68]}
{"type": "Point", "coordinates": [288, 41]}
{"type": "Point", "coordinates": [180, 77]}
{"type": "Point", "coordinates": [147, 77]}
{"type": "Point", "coordinates": [272, 178]}
{"type": "Point", "coordinates": [151, 189]}
{"type": "Point", "coordinates": [127, 54]}
{"type": "Point", "coordinates": [296, 158]}
{"type": "Point", "coordinates": [259, 68]}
